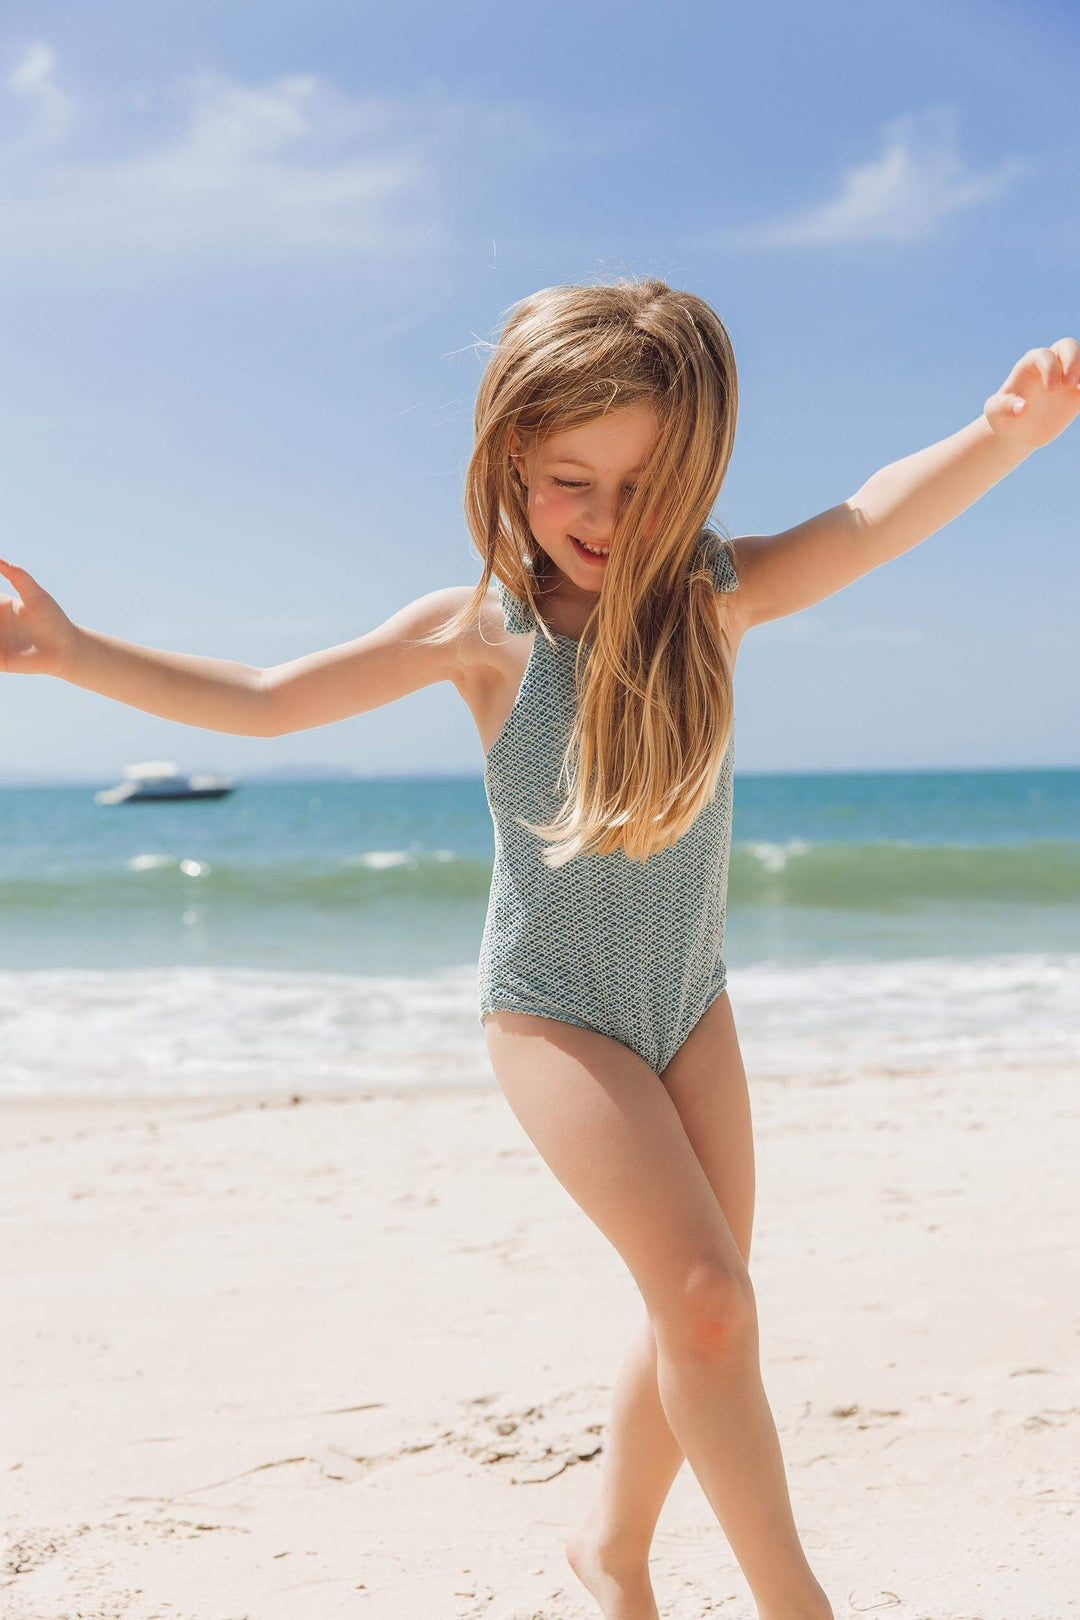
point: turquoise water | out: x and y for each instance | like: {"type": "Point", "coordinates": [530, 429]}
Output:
{"type": "Point", "coordinates": [370, 894]}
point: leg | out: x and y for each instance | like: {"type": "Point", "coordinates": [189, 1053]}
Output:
{"type": "Point", "coordinates": [612, 1135]}
{"type": "Point", "coordinates": [706, 1081]}
{"type": "Point", "coordinates": [641, 1457]}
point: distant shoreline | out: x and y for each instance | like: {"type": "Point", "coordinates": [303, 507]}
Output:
{"type": "Point", "coordinates": [312, 773]}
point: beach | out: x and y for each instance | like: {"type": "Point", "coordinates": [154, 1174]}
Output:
{"type": "Point", "coordinates": [320, 1354]}
{"type": "Point", "coordinates": [295, 1321]}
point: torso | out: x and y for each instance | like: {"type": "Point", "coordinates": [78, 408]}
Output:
{"type": "Point", "coordinates": [493, 664]}
{"type": "Point", "coordinates": [630, 948]}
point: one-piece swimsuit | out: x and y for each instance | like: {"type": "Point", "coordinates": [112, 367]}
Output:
{"type": "Point", "coordinates": [626, 947]}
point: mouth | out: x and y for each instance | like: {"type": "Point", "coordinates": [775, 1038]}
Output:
{"type": "Point", "coordinates": [597, 555]}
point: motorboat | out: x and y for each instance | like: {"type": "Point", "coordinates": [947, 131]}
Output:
{"type": "Point", "coordinates": [161, 779]}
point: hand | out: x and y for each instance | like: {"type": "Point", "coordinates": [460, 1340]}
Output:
{"type": "Point", "coordinates": [36, 635]}
{"type": "Point", "coordinates": [1039, 397]}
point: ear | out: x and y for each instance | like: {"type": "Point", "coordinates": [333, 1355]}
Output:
{"type": "Point", "coordinates": [517, 455]}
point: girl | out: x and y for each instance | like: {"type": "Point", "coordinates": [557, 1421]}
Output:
{"type": "Point", "coordinates": [599, 675]}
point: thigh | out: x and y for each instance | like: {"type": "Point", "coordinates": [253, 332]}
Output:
{"type": "Point", "coordinates": [610, 1131]}
{"type": "Point", "coordinates": [706, 1080]}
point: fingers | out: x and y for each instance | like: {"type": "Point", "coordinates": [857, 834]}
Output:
{"type": "Point", "coordinates": [21, 580]}
{"type": "Point", "coordinates": [1068, 352]}
{"type": "Point", "coordinates": [1042, 363]}
{"type": "Point", "coordinates": [1057, 366]}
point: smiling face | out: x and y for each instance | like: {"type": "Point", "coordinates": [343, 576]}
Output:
{"type": "Point", "coordinates": [577, 482]}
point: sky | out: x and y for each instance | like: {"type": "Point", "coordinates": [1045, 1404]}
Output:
{"type": "Point", "coordinates": [251, 255]}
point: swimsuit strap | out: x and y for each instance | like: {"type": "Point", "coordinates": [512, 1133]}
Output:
{"type": "Point", "coordinates": [717, 553]}
{"type": "Point", "coordinates": [519, 618]}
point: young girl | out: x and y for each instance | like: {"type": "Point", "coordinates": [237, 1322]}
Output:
{"type": "Point", "coordinates": [599, 675]}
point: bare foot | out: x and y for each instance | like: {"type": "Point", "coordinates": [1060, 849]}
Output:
{"type": "Point", "coordinates": [621, 1588]}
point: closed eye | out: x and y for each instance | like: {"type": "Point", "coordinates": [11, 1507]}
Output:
{"type": "Point", "coordinates": [567, 483]}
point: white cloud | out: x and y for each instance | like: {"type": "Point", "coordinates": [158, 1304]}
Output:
{"type": "Point", "coordinates": [225, 172]}
{"type": "Point", "coordinates": [50, 111]}
{"type": "Point", "coordinates": [917, 181]}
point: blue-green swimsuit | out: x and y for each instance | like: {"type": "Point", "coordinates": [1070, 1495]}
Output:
{"type": "Point", "coordinates": [629, 948]}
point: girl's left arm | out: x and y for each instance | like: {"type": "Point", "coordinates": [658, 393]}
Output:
{"type": "Point", "coordinates": [910, 499]}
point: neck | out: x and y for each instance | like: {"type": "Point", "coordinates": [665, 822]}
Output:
{"type": "Point", "coordinates": [567, 608]}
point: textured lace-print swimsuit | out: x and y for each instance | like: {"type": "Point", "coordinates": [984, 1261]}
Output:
{"type": "Point", "coordinates": [629, 948]}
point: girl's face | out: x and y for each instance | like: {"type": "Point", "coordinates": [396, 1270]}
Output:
{"type": "Point", "coordinates": [578, 480]}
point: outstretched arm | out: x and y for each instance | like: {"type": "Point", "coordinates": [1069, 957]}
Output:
{"type": "Point", "coordinates": [910, 499]}
{"type": "Point", "coordinates": [364, 674]}
{"type": "Point", "coordinates": [38, 638]}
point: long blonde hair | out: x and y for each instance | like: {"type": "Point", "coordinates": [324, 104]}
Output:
{"type": "Point", "coordinates": [655, 708]}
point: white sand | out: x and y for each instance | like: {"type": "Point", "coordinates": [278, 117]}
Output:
{"type": "Point", "coordinates": [351, 1357]}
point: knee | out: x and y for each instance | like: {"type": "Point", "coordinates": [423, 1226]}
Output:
{"type": "Point", "coordinates": [710, 1313]}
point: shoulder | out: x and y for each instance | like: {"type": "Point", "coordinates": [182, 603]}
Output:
{"type": "Point", "coordinates": [480, 644]}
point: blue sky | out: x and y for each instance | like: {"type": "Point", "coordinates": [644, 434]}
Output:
{"type": "Point", "coordinates": [248, 254]}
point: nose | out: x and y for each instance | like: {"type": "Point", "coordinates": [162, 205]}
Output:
{"type": "Point", "coordinates": [600, 512]}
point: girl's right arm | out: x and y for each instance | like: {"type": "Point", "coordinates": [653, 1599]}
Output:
{"type": "Point", "coordinates": [38, 638]}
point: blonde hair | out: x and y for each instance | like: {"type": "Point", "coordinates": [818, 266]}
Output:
{"type": "Point", "coordinates": [655, 707]}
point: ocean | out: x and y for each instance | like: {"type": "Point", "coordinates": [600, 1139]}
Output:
{"type": "Point", "coordinates": [300, 935]}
